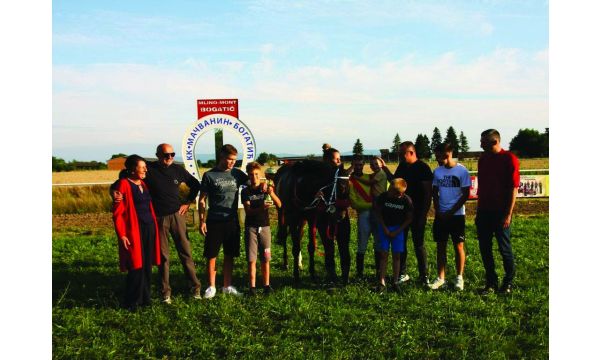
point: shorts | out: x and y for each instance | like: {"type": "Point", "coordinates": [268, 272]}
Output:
{"type": "Point", "coordinates": [258, 241]}
{"type": "Point", "coordinates": [455, 227]}
{"type": "Point", "coordinates": [226, 233]}
{"type": "Point", "coordinates": [398, 242]}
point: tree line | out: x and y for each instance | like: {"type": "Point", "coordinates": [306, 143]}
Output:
{"type": "Point", "coordinates": [527, 143]}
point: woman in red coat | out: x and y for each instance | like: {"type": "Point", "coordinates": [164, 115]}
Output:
{"type": "Point", "coordinates": [137, 231]}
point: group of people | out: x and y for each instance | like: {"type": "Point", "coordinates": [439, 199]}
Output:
{"type": "Point", "coordinates": [147, 208]}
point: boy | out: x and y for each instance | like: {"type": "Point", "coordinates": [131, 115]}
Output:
{"type": "Point", "coordinates": [451, 184]}
{"type": "Point", "coordinates": [258, 230]}
{"type": "Point", "coordinates": [394, 212]}
{"type": "Point", "coordinates": [220, 225]}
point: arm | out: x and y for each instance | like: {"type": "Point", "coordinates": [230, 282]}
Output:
{"type": "Point", "coordinates": [202, 212]}
{"type": "Point", "coordinates": [511, 206]}
{"type": "Point", "coordinates": [426, 201]}
{"type": "Point", "coordinates": [436, 200]}
{"type": "Point", "coordinates": [274, 196]}
{"type": "Point", "coordinates": [119, 218]}
{"type": "Point", "coordinates": [384, 167]}
{"type": "Point", "coordinates": [194, 186]}
{"type": "Point", "coordinates": [463, 199]}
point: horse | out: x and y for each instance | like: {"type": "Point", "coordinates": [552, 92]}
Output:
{"type": "Point", "coordinates": [308, 190]}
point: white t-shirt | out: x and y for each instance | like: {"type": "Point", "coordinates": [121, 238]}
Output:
{"type": "Point", "coordinates": [450, 183]}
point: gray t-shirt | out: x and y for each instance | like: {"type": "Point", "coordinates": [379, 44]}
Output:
{"type": "Point", "coordinates": [222, 190]}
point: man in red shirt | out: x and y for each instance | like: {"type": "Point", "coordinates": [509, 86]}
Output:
{"type": "Point", "coordinates": [498, 184]}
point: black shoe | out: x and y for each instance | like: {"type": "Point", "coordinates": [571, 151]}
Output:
{"type": "Point", "coordinates": [252, 291]}
{"type": "Point", "coordinates": [488, 289]}
{"type": "Point", "coordinates": [505, 289]}
{"type": "Point", "coordinates": [268, 289]}
{"type": "Point", "coordinates": [396, 288]}
{"type": "Point", "coordinates": [424, 281]}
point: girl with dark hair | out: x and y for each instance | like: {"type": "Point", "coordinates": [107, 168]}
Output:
{"type": "Point", "coordinates": [137, 231]}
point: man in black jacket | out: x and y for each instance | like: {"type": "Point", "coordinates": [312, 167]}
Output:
{"type": "Point", "coordinates": [419, 177]}
{"type": "Point", "coordinates": [163, 179]}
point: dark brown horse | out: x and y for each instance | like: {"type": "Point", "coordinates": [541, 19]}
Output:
{"type": "Point", "coordinates": [307, 190]}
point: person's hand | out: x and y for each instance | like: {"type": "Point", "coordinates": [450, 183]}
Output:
{"type": "Point", "coordinates": [319, 194]}
{"type": "Point", "coordinates": [264, 187]}
{"type": "Point", "coordinates": [203, 230]}
{"type": "Point", "coordinates": [507, 220]}
{"type": "Point", "coordinates": [380, 161]}
{"type": "Point", "coordinates": [125, 241]}
{"type": "Point", "coordinates": [184, 209]}
{"type": "Point", "coordinates": [387, 232]}
{"type": "Point", "coordinates": [117, 196]}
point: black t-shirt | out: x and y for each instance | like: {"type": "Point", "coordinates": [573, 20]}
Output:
{"type": "Point", "coordinates": [394, 210]}
{"type": "Point", "coordinates": [164, 182]}
{"type": "Point", "coordinates": [257, 201]}
{"type": "Point", "coordinates": [415, 174]}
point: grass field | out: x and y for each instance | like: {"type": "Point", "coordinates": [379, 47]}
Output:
{"type": "Point", "coordinates": [299, 322]}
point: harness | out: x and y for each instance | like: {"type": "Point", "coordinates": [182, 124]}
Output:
{"type": "Point", "coordinates": [329, 204]}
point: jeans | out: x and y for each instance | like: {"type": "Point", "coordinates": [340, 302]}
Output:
{"type": "Point", "coordinates": [489, 224]}
{"type": "Point", "coordinates": [367, 225]}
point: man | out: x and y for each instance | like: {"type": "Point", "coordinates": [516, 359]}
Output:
{"type": "Point", "coordinates": [498, 184]}
{"type": "Point", "coordinates": [220, 225]}
{"type": "Point", "coordinates": [419, 177]}
{"type": "Point", "coordinates": [361, 201]}
{"type": "Point", "coordinates": [163, 179]}
{"type": "Point", "coordinates": [451, 185]}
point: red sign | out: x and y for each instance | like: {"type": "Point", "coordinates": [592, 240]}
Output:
{"type": "Point", "coordinates": [218, 106]}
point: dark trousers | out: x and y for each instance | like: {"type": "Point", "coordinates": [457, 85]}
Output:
{"type": "Point", "coordinates": [137, 283]}
{"type": "Point", "coordinates": [418, 239]}
{"type": "Point", "coordinates": [490, 224]}
{"type": "Point", "coordinates": [330, 232]}
{"type": "Point", "coordinates": [175, 224]}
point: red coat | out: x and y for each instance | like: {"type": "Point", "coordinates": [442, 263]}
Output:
{"type": "Point", "coordinates": [126, 224]}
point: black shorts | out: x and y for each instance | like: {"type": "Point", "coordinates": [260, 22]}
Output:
{"type": "Point", "coordinates": [226, 233]}
{"type": "Point", "coordinates": [455, 227]}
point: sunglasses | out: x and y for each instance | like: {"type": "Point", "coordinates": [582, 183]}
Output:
{"type": "Point", "coordinates": [167, 155]}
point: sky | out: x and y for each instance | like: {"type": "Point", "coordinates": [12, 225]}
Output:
{"type": "Point", "coordinates": [126, 75]}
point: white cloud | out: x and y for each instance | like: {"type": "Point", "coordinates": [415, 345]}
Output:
{"type": "Point", "coordinates": [296, 110]}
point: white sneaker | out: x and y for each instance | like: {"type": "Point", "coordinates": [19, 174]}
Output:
{"type": "Point", "coordinates": [437, 283]}
{"type": "Point", "coordinates": [459, 284]}
{"type": "Point", "coordinates": [230, 290]}
{"type": "Point", "coordinates": [403, 278]}
{"type": "Point", "coordinates": [210, 292]}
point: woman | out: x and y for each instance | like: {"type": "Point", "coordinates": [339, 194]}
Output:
{"type": "Point", "coordinates": [137, 231]}
{"type": "Point", "coordinates": [336, 225]}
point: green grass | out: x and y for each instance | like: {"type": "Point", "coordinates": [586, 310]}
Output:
{"type": "Point", "coordinates": [303, 322]}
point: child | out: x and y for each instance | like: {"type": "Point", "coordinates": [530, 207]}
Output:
{"type": "Point", "coordinates": [451, 185]}
{"type": "Point", "coordinates": [258, 232]}
{"type": "Point", "coordinates": [394, 212]}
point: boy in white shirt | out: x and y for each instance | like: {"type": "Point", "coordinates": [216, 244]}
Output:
{"type": "Point", "coordinates": [451, 184]}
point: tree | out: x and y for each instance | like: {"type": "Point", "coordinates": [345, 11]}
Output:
{"type": "Point", "coordinates": [463, 144]}
{"type": "Point", "coordinates": [422, 147]}
{"type": "Point", "coordinates": [395, 149]}
{"type": "Point", "coordinates": [451, 138]}
{"type": "Point", "coordinates": [436, 139]}
{"type": "Point", "coordinates": [114, 156]}
{"type": "Point", "coordinates": [358, 148]}
{"type": "Point", "coordinates": [529, 143]}
{"type": "Point", "coordinates": [262, 158]}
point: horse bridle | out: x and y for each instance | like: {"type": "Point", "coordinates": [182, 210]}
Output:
{"type": "Point", "coordinates": [330, 205]}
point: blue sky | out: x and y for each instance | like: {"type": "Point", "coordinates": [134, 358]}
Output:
{"type": "Point", "coordinates": [126, 74]}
